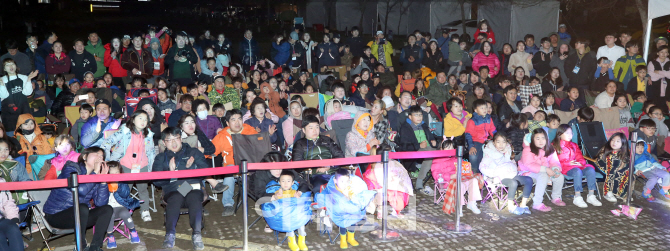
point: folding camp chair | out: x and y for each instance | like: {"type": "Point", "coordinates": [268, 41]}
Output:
{"type": "Point", "coordinates": [592, 136]}
{"type": "Point", "coordinates": [184, 210]}
{"type": "Point", "coordinates": [27, 219]}
{"type": "Point", "coordinates": [136, 195]}
{"type": "Point", "coordinates": [495, 191]}
{"type": "Point", "coordinates": [54, 233]}
{"type": "Point", "coordinates": [342, 127]}
{"type": "Point", "coordinates": [570, 181]}
{"type": "Point", "coordinates": [117, 228]}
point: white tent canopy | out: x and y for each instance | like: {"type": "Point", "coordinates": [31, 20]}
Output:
{"type": "Point", "coordinates": [511, 22]}
{"type": "Point", "coordinates": [656, 8]}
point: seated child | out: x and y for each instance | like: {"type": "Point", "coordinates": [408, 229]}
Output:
{"type": "Point", "coordinates": [539, 121]}
{"type": "Point", "coordinates": [260, 121]}
{"type": "Point", "coordinates": [573, 102]}
{"type": "Point", "coordinates": [345, 202]}
{"type": "Point", "coordinates": [647, 165]}
{"type": "Point", "coordinates": [574, 165]}
{"type": "Point", "coordinates": [333, 111]}
{"type": "Point", "coordinates": [549, 103]}
{"type": "Point", "coordinates": [414, 135]}
{"type": "Point", "coordinates": [534, 105]}
{"type": "Point", "coordinates": [638, 83]}
{"type": "Point", "coordinates": [540, 162]}
{"type": "Point", "coordinates": [655, 113]}
{"type": "Point", "coordinates": [639, 98]}
{"type": "Point", "coordinates": [49, 131]}
{"type": "Point", "coordinates": [360, 139]}
{"type": "Point", "coordinates": [89, 100]}
{"type": "Point", "coordinates": [613, 160]}
{"type": "Point", "coordinates": [444, 172]}
{"type": "Point", "coordinates": [165, 104]}
{"type": "Point", "coordinates": [88, 80]}
{"type": "Point", "coordinates": [85, 112]}
{"type": "Point", "coordinates": [399, 184]}
{"type": "Point", "coordinates": [122, 202]}
{"type": "Point", "coordinates": [456, 119]}
{"type": "Point", "coordinates": [553, 121]}
{"type": "Point", "coordinates": [518, 128]}
{"type": "Point", "coordinates": [498, 165]}
{"type": "Point", "coordinates": [138, 83]}
{"type": "Point", "coordinates": [194, 91]}
{"type": "Point", "coordinates": [625, 119]}
{"type": "Point", "coordinates": [479, 129]}
{"type": "Point", "coordinates": [220, 113]}
{"type": "Point", "coordinates": [288, 188]}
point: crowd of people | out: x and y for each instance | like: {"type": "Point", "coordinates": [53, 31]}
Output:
{"type": "Point", "coordinates": [163, 101]}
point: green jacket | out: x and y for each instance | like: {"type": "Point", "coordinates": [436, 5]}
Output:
{"type": "Point", "coordinates": [98, 50]}
{"type": "Point", "coordinates": [624, 68]}
{"type": "Point", "coordinates": [438, 93]}
{"type": "Point", "coordinates": [388, 51]}
{"type": "Point", "coordinates": [229, 95]}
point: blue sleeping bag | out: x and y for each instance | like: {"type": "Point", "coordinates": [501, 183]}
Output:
{"type": "Point", "coordinates": [340, 209]}
{"type": "Point", "coordinates": [287, 214]}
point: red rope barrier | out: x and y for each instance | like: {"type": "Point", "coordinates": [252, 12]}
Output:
{"type": "Point", "coordinates": [58, 183]}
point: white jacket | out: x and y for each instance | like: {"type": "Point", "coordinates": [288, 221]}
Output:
{"type": "Point", "coordinates": [496, 164]}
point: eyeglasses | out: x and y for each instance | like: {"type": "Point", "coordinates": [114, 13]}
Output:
{"type": "Point", "coordinates": [176, 140]}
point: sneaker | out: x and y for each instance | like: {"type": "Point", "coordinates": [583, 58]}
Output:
{"type": "Point", "coordinates": [427, 191]}
{"type": "Point", "coordinates": [519, 210]}
{"type": "Point", "coordinates": [134, 238]}
{"type": "Point", "coordinates": [111, 241]}
{"type": "Point", "coordinates": [205, 212]}
{"type": "Point", "coordinates": [648, 196]}
{"type": "Point", "coordinates": [542, 207]}
{"type": "Point", "coordinates": [219, 188]}
{"type": "Point", "coordinates": [146, 217]}
{"type": "Point", "coordinates": [473, 208]}
{"type": "Point", "coordinates": [197, 242]}
{"type": "Point", "coordinates": [579, 202]}
{"type": "Point", "coordinates": [414, 174]}
{"type": "Point", "coordinates": [558, 202]}
{"type": "Point", "coordinates": [591, 199]}
{"type": "Point", "coordinates": [169, 241]}
{"type": "Point", "coordinates": [610, 197]}
{"type": "Point", "coordinates": [267, 229]}
{"type": "Point", "coordinates": [397, 214]}
{"type": "Point", "coordinates": [228, 211]}
{"type": "Point", "coordinates": [665, 194]}
{"type": "Point", "coordinates": [526, 210]}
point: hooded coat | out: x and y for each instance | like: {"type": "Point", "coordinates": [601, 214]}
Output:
{"type": "Point", "coordinates": [496, 164]}
{"type": "Point", "coordinates": [273, 100]}
{"type": "Point", "coordinates": [571, 152]}
{"type": "Point", "coordinates": [357, 139]}
{"type": "Point", "coordinates": [39, 144]}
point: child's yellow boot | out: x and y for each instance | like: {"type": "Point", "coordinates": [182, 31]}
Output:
{"type": "Point", "coordinates": [350, 239]}
{"type": "Point", "coordinates": [291, 244]}
{"type": "Point", "coordinates": [301, 242]}
{"type": "Point", "coordinates": [343, 241]}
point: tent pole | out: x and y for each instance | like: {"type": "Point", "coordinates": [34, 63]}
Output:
{"type": "Point", "coordinates": [647, 37]}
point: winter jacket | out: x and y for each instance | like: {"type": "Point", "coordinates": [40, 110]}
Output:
{"type": "Point", "coordinates": [61, 198]}
{"type": "Point", "coordinates": [223, 48]}
{"type": "Point", "coordinates": [489, 35]}
{"type": "Point", "coordinates": [504, 63]}
{"type": "Point", "coordinates": [39, 144]}
{"type": "Point", "coordinates": [283, 53]}
{"type": "Point", "coordinates": [357, 140]}
{"type": "Point", "coordinates": [223, 142]}
{"type": "Point", "coordinates": [542, 66]}
{"type": "Point", "coordinates": [443, 43]}
{"type": "Point", "coordinates": [443, 167]}
{"type": "Point", "coordinates": [64, 98]}
{"type": "Point", "coordinates": [209, 125]}
{"type": "Point", "coordinates": [479, 129]}
{"type": "Point", "coordinates": [321, 148]}
{"type": "Point", "coordinates": [624, 68]}
{"type": "Point", "coordinates": [249, 51]}
{"type": "Point", "coordinates": [455, 52]}
{"type": "Point", "coordinates": [388, 51]}
{"type": "Point", "coordinates": [114, 64]}
{"type": "Point", "coordinates": [261, 178]}
{"type": "Point", "coordinates": [531, 163]}
{"type": "Point", "coordinates": [58, 162]}
{"type": "Point", "coordinates": [155, 122]}
{"type": "Point", "coordinates": [162, 163]}
{"type": "Point", "coordinates": [264, 125]}
{"type": "Point", "coordinates": [356, 46]}
{"type": "Point", "coordinates": [327, 57]}
{"type": "Point", "coordinates": [131, 59]}
{"type": "Point", "coordinates": [438, 93]}
{"type": "Point", "coordinates": [191, 59]}
{"type": "Point", "coordinates": [505, 111]}
{"type": "Point", "coordinates": [123, 197]}
{"type": "Point", "coordinates": [516, 135]}
{"type": "Point", "coordinates": [654, 90]}
{"type": "Point", "coordinates": [79, 67]}
{"type": "Point", "coordinates": [116, 145]}
{"type": "Point", "coordinates": [414, 51]}
{"type": "Point", "coordinates": [229, 95]}
{"type": "Point", "coordinates": [97, 50]}
{"type": "Point", "coordinates": [89, 136]}
{"type": "Point", "coordinates": [55, 66]}
{"type": "Point", "coordinates": [273, 100]}
{"type": "Point", "coordinates": [406, 139]}
{"type": "Point", "coordinates": [498, 165]}
{"type": "Point", "coordinates": [452, 126]}
{"type": "Point", "coordinates": [434, 61]}
{"type": "Point", "coordinates": [8, 208]}
{"type": "Point", "coordinates": [168, 104]}
{"type": "Point", "coordinates": [570, 152]}
{"type": "Point", "coordinates": [491, 61]}
{"type": "Point", "coordinates": [587, 67]}
{"type": "Point", "coordinates": [519, 58]}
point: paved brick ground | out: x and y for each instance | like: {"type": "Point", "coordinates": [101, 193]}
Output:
{"type": "Point", "coordinates": [566, 228]}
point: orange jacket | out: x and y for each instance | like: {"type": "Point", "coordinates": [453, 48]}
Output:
{"type": "Point", "coordinates": [40, 144]}
{"type": "Point", "coordinates": [224, 143]}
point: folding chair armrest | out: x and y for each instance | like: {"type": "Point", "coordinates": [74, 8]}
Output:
{"type": "Point", "coordinates": [590, 159]}
{"type": "Point", "coordinates": [27, 205]}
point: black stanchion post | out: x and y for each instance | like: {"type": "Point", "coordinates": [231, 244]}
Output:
{"type": "Point", "coordinates": [244, 170]}
{"type": "Point", "coordinates": [631, 173]}
{"type": "Point", "coordinates": [384, 234]}
{"type": "Point", "coordinates": [73, 184]}
{"type": "Point", "coordinates": [457, 226]}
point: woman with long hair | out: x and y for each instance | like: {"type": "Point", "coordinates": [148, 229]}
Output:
{"type": "Point", "coordinates": [112, 59]}
{"type": "Point", "coordinates": [553, 82]}
{"type": "Point", "coordinates": [433, 58]}
{"type": "Point", "coordinates": [486, 57]}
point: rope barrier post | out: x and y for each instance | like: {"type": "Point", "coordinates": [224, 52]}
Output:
{"type": "Point", "coordinates": [243, 171]}
{"type": "Point", "coordinates": [457, 226]}
{"type": "Point", "coordinates": [73, 184]}
{"type": "Point", "coordinates": [631, 174]}
{"type": "Point", "coordinates": [384, 234]}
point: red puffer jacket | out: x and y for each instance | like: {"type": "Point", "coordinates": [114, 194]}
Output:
{"type": "Point", "coordinates": [491, 61]}
{"type": "Point", "coordinates": [114, 65]}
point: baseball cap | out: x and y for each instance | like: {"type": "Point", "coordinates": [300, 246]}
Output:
{"type": "Point", "coordinates": [380, 33]}
{"type": "Point", "coordinates": [562, 26]}
{"type": "Point", "coordinates": [660, 38]}
{"type": "Point", "coordinates": [102, 101]}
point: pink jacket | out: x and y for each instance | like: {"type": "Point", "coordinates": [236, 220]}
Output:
{"type": "Point", "coordinates": [59, 161]}
{"type": "Point", "coordinates": [533, 163]}
{"type": "Point", "coordinates": [8, 208]}
{"type": "Point", "coordinates": [569, 152]}
{"type": "Point", "coordinates": [491, 61]}
{"type": "Point", "coordinates": [444, 166]}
